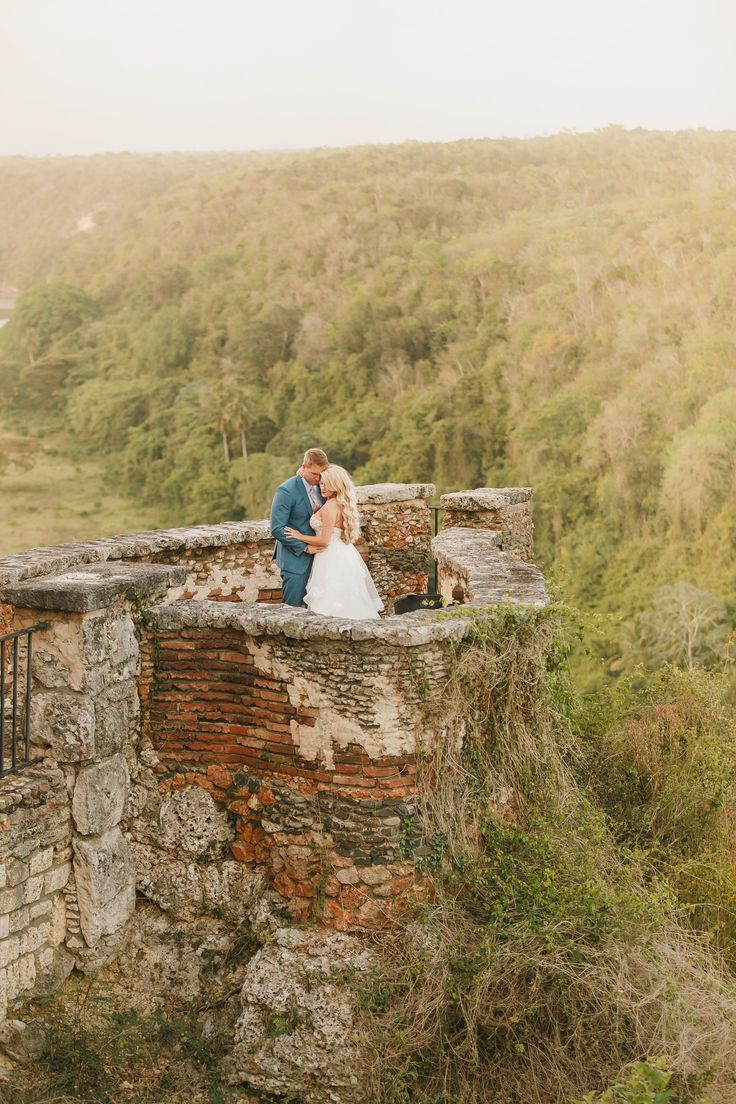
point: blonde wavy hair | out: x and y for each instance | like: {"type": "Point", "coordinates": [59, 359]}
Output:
{"type": "Point", "coordinates": [336, 479]}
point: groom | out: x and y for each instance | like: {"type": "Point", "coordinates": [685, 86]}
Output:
{"type": "Point", "coordinates": [294, 503]}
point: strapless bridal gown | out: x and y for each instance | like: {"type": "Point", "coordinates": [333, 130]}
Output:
{"type": "Point", "coordinates": [340, 584]}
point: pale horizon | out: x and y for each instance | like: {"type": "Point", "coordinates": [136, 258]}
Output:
{"type": "Point", "coordinates": [236, 76]}
{"type": "Point", "coordinates": [360, 145]}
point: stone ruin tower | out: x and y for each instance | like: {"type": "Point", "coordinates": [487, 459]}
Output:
{"type": "Point", "coordinates": [180, 736]}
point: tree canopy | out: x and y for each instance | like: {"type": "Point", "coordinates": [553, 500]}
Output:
{"type": "Point", "coordinates": [556, 312]}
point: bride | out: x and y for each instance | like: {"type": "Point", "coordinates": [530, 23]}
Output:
{"type": "Point", "coordinates": [340, 584]}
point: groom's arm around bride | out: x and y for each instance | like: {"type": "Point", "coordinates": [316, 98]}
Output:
{"type": "Point", "coordinates": [294, 503]}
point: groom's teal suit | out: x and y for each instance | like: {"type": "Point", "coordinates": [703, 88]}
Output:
{"type": "Point", "coordinates": [292, 506]}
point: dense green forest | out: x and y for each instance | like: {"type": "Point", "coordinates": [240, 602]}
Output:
{"type": "Point", "coordinates": [557, 312]}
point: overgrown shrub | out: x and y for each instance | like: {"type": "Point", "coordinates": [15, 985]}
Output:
{"type": "Point", "coordinates": [662, 764]}
{"type": "Point", "coordinates": [548, 953]}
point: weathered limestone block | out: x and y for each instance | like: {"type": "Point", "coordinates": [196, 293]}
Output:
{"type": "Point", "coordinates": [65, 723]}
{"type": "Point", "coordinates": [16, 871]}
{"type": "Point", "coordinates": [175, 840]}
{"type": "Point", "coordinates": [109, 637]}
{"type": "Point", "coordinates": [486, 498]}
{"type": "Point", "coordinates": [296, 1034]}
{"type": "Point", "coordinates": [105, 884]}
{"type": "Point", "coordinates": [189, 889]}
{"type": "Point", "coordinates": [57, 928]}
{"type": "Point", "coordinates": [190, 821]}
{"type": "Point", "coordinates": [383, 493]}
{"type": "Point", "coordinates": [50, 671]}
{"type": "Point", "coordinates": [94, 639]}
{"type": "Point", "coordinates": [22, 1042]}
{"type": "Point", "coordinates": [122, 642]}
{"type": "Point", "coordinates": [40, 861]}
{"type": "Point", "coordinates": [100, 795]}
{"type": "Point", "coordinates": [53, 966]}
{"type": "Point", "coordinates": [114, 717]}
{"type": "Point", "coordinates": [20, 976]}
{"type": "Point", "coordinates": [56, 879]}
{"type": "Point", "coordinates": [86, 587]}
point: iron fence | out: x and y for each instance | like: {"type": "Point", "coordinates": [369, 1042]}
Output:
{"type": "Point", "coordinates": [16, 658]}
{"type": "Point", "coordinates": [435, 511]}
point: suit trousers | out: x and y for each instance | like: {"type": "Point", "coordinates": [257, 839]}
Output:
{"type": "Point", "coordinates": [294, 587]}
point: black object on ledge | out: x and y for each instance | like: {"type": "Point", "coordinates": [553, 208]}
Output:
{"type": "Point", "coordinates": [408, 603]}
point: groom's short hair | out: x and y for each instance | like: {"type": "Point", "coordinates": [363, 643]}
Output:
{"type": "Point", "coordinates": [315, 456]}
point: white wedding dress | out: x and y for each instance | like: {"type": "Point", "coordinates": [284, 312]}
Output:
{"type": "Point", "coordinates": [340, 584]}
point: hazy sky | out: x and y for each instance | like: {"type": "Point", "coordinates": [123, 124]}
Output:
{"type": "Point", "coordinates": [80, 76]}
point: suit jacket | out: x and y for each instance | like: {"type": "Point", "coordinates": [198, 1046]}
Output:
{"type": "Point", "coordinates": [292, 506]}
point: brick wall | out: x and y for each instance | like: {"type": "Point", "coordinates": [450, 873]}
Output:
{"type": "Point", "coordinates": [311, 748]}
{"type": "Point", "coordinates": [506, 510]}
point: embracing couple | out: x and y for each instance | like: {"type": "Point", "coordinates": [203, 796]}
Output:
{"type": "Point", "coordinates": [314, 520]}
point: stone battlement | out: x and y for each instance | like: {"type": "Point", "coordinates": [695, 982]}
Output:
{"type": "Point", "coordinates": [198, 739]}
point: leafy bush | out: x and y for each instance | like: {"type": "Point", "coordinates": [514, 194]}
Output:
{"type": "Point", "coordinates": [646, 1083]}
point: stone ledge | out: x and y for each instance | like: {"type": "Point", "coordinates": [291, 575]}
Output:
{"type": "Point", "coordinates": [93, 586]}
{"type": "Point", "coordinates": [409, 630]}
{"type": "Point", "coordinates": [61, 557]}
{"type": "Point", "coordinates": [494, 578]}
{"type": "Point", "coordinates": [376, 493]}
{"type": "Point", "coordinates": [486, 498]}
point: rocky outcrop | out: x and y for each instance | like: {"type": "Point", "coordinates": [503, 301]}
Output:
{"type": "Point", "coordinates": [296, 1035]}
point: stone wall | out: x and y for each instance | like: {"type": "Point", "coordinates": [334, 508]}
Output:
{"type": "Point", "coordinates": [506, 510]}
{"type": "Point", "coordinates": [305, 731]}
{"type": "Point", "coordinates": [396, 526]}
{"type": "Point", "coordinates": [35, 864]}
{"type": "Point", "coordinates": [84, 723]}
{"type": "Point", "coordinates": [472, 570]}
{"type": "Point", "coordinates": [201, 744]}
{"type": "Point", "coordinates": [241, 571]}
{"type": "Point", "coordinates": [232, 561]}
{"type": "Point", "coordinates": [229, 562]}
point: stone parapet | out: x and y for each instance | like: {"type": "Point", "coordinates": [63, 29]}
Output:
{"type": "Point", "coordinates": [233, 561]}
{"type": "Point", "coordinates": [379, 494]}
{"type": "Point", "coordinates": [410, 630]}
{"type": "Point", "coordinates": [503, 509]}
{"type": "Point", "coordinates": [306, 730]}
{"type": "Point", "coordinates": [203, 741]}
{"type": "Point", "coordinates": [395, 523]}
{"type": "Point", "coordinates": [56, 559]}
{"type": "Point", "coordinates": [92, 586]}
{"type": "Point", "coordinates": [472, 570]}
{"type": "Point", "coordinates": [486, 498]}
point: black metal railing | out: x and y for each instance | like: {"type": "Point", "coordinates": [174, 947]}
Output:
{"type": "Point", "coordinates": [435, 511]}
{"type": "Point", "coordinates": [15, 700]}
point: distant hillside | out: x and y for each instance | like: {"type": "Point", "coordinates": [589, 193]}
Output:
{"type": "Point", "coordinates": [556, 312]}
